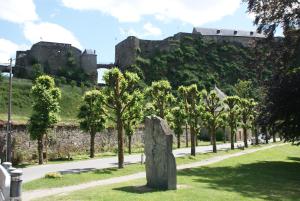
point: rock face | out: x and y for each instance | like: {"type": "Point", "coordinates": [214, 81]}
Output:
{"type": "Point", "coordinates": [160, 161]}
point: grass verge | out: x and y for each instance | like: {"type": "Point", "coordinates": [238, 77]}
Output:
{"type": "Point", "coordinates": [73, 179]}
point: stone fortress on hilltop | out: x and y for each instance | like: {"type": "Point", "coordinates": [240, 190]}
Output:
{"type": "Point", "coordinates": [55, 56]}
{"type": "Point", "coordinates": [129, 49]}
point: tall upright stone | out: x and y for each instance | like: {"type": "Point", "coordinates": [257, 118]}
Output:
{"type": "Point", "coordinates": [160, 161]}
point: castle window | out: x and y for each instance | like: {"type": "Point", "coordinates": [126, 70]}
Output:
{"type": "Point", "coordinates": [251, 33]}
{"type": "Point", "coordinates": [218, 31]}
{"type": "Point", "coordinates": [235, 32]}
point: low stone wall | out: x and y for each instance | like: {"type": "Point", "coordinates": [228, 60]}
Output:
{"type": "Point", "coordinates": [64, 140]}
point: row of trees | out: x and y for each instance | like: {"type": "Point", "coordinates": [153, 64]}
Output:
{"type": "Point", "coordinates": [123, 103]}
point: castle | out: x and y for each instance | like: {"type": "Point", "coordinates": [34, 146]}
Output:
{"type": "Point", "coordinates": [55, 56]}
{"type": "Point", "coordinates": [129, 49]}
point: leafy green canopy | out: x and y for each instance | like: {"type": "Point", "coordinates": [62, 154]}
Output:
{"type": "Point", "coordinates": [161, 98]}
{"type": "Point", "coordinates": [45, 107]}
{"type": "Point", "coordinates": [92, 112]}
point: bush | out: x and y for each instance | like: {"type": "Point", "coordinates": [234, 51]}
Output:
{"type": "Point", "coordinates": [53, 175]}
{"type": "Point", "coordinates": [17, 158]}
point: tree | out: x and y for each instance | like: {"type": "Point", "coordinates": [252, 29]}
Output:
{"type": "Point", "coordinates": [183, 93]}
{"type": "Point", "coordinates": [195, 110]}
{"type": "Point", "coordinates": [283, 93]}
{"type": "Point", "coordinates": [37, 70]}
{"type": "Point", "coordinates": [232, 112]}
{"type": "Point", "coordinates": [120, 91]}
{"type": "Point", "coordinates": [133, 117]}
{"type": "Point", "coordinates": [212, 114]}
{"type": "Point", "coordinates": [244, 89]}
{"type": "Point", "coordinates": [247, 111]}
{"type": "Point", "coordinates": [161, 97]}
{"type": "Point", "coordinates": [45, 110]}
{"type": "Point", "coordinates": [92, 116]}
{"type": "Point", "coordinates": [177, 119]}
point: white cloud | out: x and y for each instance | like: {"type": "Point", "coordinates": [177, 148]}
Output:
{"type": "Point", "coordinates": [18, 11]}
{"type": "Point", "coordinates": [189, 11]}
{"type": "Point", "coordinates": [8, 49]}
{"type": "Point", "coordinates": [45, 31]}
{"type": "Point", "coordinates": [148, 30]}
{"type": "Point", "coordinates": [151, 30]}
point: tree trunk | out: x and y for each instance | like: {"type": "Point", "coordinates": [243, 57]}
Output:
{"type": "Point", "coordinates": [193, 149]}
{"type": "Point", "coordinates": [178, 140]}
{"type": "Point", "coordinates": [224, 130]}
{"type": "Point", "coordinates": [196, 139]}
{"type": "Point", "coordinates": [186, 135]}
{"type": "Point", "coordinates": [92, 147]}
{"type": "Point", "coordinates": [46, 148]}
{"type": "Point", "coordinates": [40, 150]}
{"type": "Point", "coordinates": [129, 144]}
{"type": "Point", "coordinates": [120, 143]}
{"type": "Point", "coordinates": [232, 138]}
{"type": "Point", "coordinates": [274, 137]}
{"type": "Point", "coordinates": [213, 134]}
{"type": "Point", "coordinates": [256, 136]}
{"type": "Point", "coordinates": [245, 137]}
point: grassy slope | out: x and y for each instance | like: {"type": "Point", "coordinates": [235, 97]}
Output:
{"type": "Point", "coordinates": [265, 175]}
{"type": "Point", "coordinates": [21, 107]}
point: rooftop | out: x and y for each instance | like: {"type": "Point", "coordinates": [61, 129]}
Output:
{"type": "Point", "coordinates": [226, 32]}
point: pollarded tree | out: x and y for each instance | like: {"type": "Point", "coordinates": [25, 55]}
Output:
{"type": "Point", "coordinates": [45, 110]}
{"type": "Point", "coordinates": [212, 116]}
{"type": "Point", "coordinates": [92, 116]}
{"type": "Point", "coordinates": [183, 94]}
{"type": "Point", "coordinates": [232, 112]}
{"type": "Point", "coordinates": [161, 97]}
{"type": "Point", "coordinates": [133, 116]}
{"type": "Point", "coordinates": [195, 110]}
{"type": "Point", "coordinates": [177, 119]}
{"type": "Point", "coordinates": [120, 94]}
{"type": "Point", "coordinates": [247, 111]}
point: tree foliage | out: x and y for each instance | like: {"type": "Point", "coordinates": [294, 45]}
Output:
{"type": "Point", "coordinates": [232, 111]}
{"type": "Point", "coordinates": [45, 110]}
{"type": "Point", "coordinates": [247, 116]}
{"type": "Point", "coordinates": [160, 95]}
{"type": "Point", "coordinates": [212, 115]}
{"type": "Point", "coordinates": [92, 115]}
{"type": "Point", "coordinates": [176, 120]}
{"type": "Point", "coordinates": [121, 93]}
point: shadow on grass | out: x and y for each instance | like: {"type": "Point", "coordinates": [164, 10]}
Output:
{"type": "Point", "coordinates": [294, 159]}
{"type": "Point", "coordinates": [270, 180]}
{"type": "Point", "coordinates": [137, 189]}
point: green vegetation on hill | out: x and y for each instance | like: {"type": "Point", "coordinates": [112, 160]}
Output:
{"type": "Point", "coordinates": [22, 101]}
{"type": "Point", "coordinates": [205, 63]}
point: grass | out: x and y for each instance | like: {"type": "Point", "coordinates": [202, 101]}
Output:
{"type": "Point", "coordinates": [271, 174]}
{"type": "Point", "coordinates": [73, 179]}
{"type": "Point", "coordinates": [22, 101]}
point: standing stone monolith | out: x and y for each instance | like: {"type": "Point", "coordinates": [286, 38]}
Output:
{"type": "Point", "coordinates": [160, 161]}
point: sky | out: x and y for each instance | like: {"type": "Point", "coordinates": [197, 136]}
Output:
{"type": "Point", "coordinates": [101, 24]}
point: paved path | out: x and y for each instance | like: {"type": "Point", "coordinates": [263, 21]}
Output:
{"type": "Point", "coordinates": [63, 190]}
{"type": "Point", "coordinates": [35, 172]}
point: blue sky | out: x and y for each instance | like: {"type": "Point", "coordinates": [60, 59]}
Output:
{"type": "Point", "coordinates": [101, 24]}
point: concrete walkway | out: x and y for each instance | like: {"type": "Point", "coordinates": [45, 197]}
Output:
{"type": "Point", "coordinates": [39, 171]}
{"type": "Point", "coordinates": [64, 190]}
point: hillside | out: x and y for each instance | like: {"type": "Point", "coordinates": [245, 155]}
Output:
{"type": "Point", "coordinates": [21, 102]}
{"type": "Point", "coordinates": [204, 62]}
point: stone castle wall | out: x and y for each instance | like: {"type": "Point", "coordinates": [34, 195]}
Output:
{"type": "Point", "coordinates": [53, 56]}
{"type": "Point", "coordinates": [128, 50]}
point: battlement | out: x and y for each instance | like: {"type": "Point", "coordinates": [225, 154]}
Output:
{"type": "Point", "coordinates": [226, 32]}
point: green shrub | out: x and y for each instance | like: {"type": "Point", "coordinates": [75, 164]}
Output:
{"type": "Point", "coordinates": [53, 175]}
{"type": "Point", "coordinates": [219, 135]}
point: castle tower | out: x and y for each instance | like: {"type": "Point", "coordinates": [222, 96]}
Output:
{"type": "Point", "coordinates": [88, 61]}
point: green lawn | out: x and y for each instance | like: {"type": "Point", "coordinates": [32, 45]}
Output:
{"type": "Point", "coordinates": [72, 179]}
{"type": "Point", "coordinates": [271, 174]}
